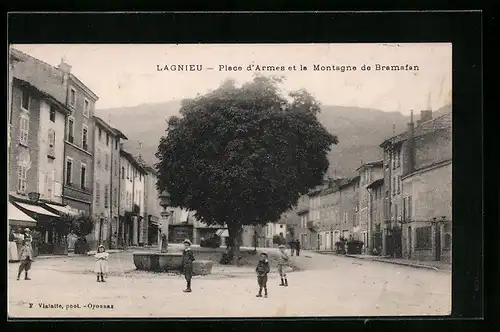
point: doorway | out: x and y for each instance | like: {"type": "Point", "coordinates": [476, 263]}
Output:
{"type": "Point", "coordinates": [437, 253]}
{"type": "Point", "coordinates": [409, 243]}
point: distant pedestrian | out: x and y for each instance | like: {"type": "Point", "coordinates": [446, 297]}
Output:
{"type": "Point", "coordinates": [297, 247]}
{"type": "Point", "coordinates": [26, 258]}
{"type": "Point", "coordinates": [283, 262]}
{"type": "Point", "coordinates": [292, 246]}
{"type": "Point", "coordinates": [187, 264]}
{"type": "Point", "coordinates": [101, 265]}
{"type": "Point", "coordinates": [262, 270]}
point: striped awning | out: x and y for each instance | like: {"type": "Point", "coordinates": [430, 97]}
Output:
{"type": "Point", "coordinates": [62, 209]}
{"type": "Point", "coordinates": [13, 213]}
{"type": "Point", "coordinates": [37, 209]}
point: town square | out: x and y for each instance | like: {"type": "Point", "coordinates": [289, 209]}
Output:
{"type": "Point", "coordinates": [142, 192]}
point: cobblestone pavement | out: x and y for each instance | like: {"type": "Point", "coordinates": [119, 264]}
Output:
{"type": "Point", "coordinates": [325, 286]}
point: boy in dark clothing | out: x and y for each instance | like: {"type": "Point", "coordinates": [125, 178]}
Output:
{"type": "Point", "coordinates": [297, 247]}
{"type": "Point", "coordinates": [187, 264]}
{"type": "Point", "coordinates": [262, 270]}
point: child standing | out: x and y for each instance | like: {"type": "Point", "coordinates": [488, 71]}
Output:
{"type": "Point", "coordinates": [283, 261]}
{"type": "Point", "coordinates": [26, 258]}
{"type": "Point", "coordinates": [101, 265]}
{"type": "Point", "coordinates": [262, 271]}
{"type": "Point", "coordinates": [187, 264]}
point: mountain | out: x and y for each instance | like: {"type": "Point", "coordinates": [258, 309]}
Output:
{"type": "Point", "coordinates": [360, 130]}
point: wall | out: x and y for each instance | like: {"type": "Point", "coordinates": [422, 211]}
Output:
{"type": "Point", "coordinates": [18, 152]}
{"type": "Point", "coordinates": [51, 170]}
{"type": "Point", "coordinates": [126, 186]}
{"type": "Point", "coordinates": [433, 147]}
{"type": "Point", "coordinates": [43, 76]}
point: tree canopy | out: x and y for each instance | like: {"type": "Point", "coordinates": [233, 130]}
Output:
{"type": "Point", "coordinates": [243, 155]}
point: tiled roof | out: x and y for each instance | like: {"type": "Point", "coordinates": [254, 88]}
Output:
{"type": "Point", "coordinates": [372, 163]}
{"type": "Point", "coordinates": [133, 161]}
{"type": "Point", "coordinates": [62, 108]}
{"type": "Point", "coordinates": [441, 122]}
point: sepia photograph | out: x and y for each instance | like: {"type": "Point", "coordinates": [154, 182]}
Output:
{"type": "Point", "coordinates": [229, 180]}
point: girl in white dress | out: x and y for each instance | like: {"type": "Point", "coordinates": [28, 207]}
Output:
{"type": "Point", "coordinates": [101, 265]}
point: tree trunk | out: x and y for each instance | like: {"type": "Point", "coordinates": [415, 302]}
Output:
{"type": "Point", "coordinates": [234, 236]}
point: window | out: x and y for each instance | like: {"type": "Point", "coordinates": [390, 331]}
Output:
{"type": "Point", "coordinates": [409, 207]}
{"type": "Point", "coordinates": [399, 158]}
{"type": "Point", "coordinates": [21, 178]}
{"type": "Point", "coordinates": [399, 184]}
{"type": "Point", "coordinates": [83, 176]}
{"type": "Point", "coordinates": [345, 217]}
{"type": "Point", "coordinates": [86, 108]}
{"type": "Point", "coordinates": [115, 197]}
{"type": "Point", "coordinates": [116, 168]}
{"type": "Point", "coordinates": [393, 189]}
{"type": "Point", "coordinates": [123, 172]}
{"type": "Point", "coordinates": [97, 193]}
{"type": "Point", "coordinates": [25, 100]}
{"type": "Point", "coordinates": [69, 171]}
{"type": "Point", "coordinates": [99, 133]}
{"type": "Point", "coordinates": [107, 139]}
{"type": "Point", "coordinates": [24, 127]}
{"type": "Point", "coordinates": [49, 184]}
{"type": "Point", "coordinates": [106, 161]}
{"type": "Point", "coordinates": [106, 196]}
{"type": "Point", "coordinates": [423, 235]}
{"type": "Point", "coordinates": [116, 144]}
{"type": "Point", "coordinates": [396, 212]}
{"type": "Point", "coordinates": [71, 128]}
{"type": "Point", "coordinates": [52, 143]}
{"type": "Point", "coordinates": [85, 131]}
{"type": "Point", "coordinates": [98, 157]}
{"type": "Point", "coordinates": [52, 113]}
{"type": "Point", "coordinates": [72, 97]}
{"type": "Point", "coordinates": [128, 172]}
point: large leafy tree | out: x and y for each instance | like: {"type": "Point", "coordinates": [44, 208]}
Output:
{"type": "Point", "coordinates": [243, 155]}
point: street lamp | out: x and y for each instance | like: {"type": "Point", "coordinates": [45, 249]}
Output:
{"type": "Point", "coordinates": [164, 203]}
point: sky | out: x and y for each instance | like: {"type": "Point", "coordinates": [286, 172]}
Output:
{"type": "Point", "coordinates": [127, 74]}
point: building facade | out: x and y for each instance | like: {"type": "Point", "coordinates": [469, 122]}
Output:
{"type": "Point", "coordinates": [106, 184]}
{"type": "Point", "coordinates": [130, 230]}
{"type": "Point", "coordinates": [152, 208]}
{"type": "Point", "coordinates": [78, 184]}
{"type": "Point", "coordinates": [368, 173]}
{"type": "Point", "coordinates": [303, 214]}
{"type": "Point", "coordinates": [427, 190]}
{"type": "Point", "coordinates": [377, 214]}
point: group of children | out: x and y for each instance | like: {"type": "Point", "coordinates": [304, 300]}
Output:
{"type": "Point", "coordinates": [101, 267]}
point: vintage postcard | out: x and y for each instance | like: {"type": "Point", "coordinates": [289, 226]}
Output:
{"type": "Point", "coordinates": [234, 180]}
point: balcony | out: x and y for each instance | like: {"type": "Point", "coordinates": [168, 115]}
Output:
{"type": "Point", "coordinates": [312, 225]}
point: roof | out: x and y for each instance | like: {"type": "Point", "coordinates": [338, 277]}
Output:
{"type": "Point", "coordinates": [441, 122]}
{"type": "Point", "coordinates": [61, 107]}
{"type": "Point", "coordinates": [113, 131]}
{"type": "Point", "coordinates": [302, 211]}
{"type": "Point", "coordinates": [24, 56]}
{"type": "Point", "coordinates": [350, 182]}
{"type": "Point", "coordinates": [133, 161]}
{"type": "Point", "coordinates": [378, 163]}
{"type": "Point", "coordinates": [376, 183]}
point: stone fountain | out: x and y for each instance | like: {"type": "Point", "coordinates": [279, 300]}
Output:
{"type": "Point", "coordinates": [165, 261]}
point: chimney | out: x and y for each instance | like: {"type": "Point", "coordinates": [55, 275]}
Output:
{"type": "Point", "coordinates": [425, 116]}
{"type": "Point", "coordinates": [64, 67]}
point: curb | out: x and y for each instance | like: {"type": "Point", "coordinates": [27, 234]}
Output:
{"type": "Point", "coordinates": [414, 265]}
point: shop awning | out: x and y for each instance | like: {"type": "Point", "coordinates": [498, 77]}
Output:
{"type": "Point", "coordinates": [223, 233]}
{"type": "Point", "coordinates": [13, 213]}
{"type": "Point", "coordinates": [37, 209]}
{"type": "Point", "coordinates": [62, 209]}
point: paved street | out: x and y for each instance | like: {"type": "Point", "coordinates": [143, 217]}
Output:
{"type": "Point", "coordinates": [326, 285]}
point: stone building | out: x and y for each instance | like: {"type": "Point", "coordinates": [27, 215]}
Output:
{"type": "Point", "coordinates": [417, 189]}
{"type": "Point", "coordinates": [377, 213]}
{"type": "Point", "coordinates": [348, 224]}
{"type": "Point", "coordinates": [427, 191]}
{"type": "Point", "coordinates": [303, 213]}
{"type": "Point", "coordinates": [368, 173]}
{"type": "Point", "coordinates": [132, 181]}
{"type": "Point", "coordinates": [105, 205]}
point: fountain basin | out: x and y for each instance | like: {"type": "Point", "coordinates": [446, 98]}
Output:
{"type": "Point", "coordinates": [156, 261]}
{"type": "Point", "coordinates": [202, 267]}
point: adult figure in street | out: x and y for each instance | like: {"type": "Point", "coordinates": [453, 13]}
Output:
{"type": "Point", "coordinates": [27, 235]}
{"type": "Point", "coordinates": [13, 252]}
{"type": "Point", "coordinates": [187, 264]}
{"type": "Point", "coordinates": [297, 247]}
{"type": "Point", "coordinates": [26, 258]}
{"type": "Point", "coordinates": [283, 262]}
{"type": "Point", "coordinates": [19, 239]}
{"type": "Point", "coordinates": [292, 246]}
